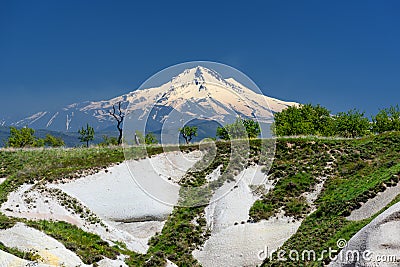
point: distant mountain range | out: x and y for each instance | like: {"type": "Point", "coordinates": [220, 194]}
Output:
{"type": "Point", "coordinates": [198, 93]}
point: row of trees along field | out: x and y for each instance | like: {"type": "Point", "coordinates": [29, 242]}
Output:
{"type": "Point", "coordinates": [316, 120]}
{"type": "Point", "coordinates": [295, 120]}
{"type": "Point", "coordinates": [241, 128]}
{"type": "Point", "coordinates": [25, 137]}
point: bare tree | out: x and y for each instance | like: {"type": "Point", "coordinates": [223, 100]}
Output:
{"type": "Point", "coordinates": [119, 117]}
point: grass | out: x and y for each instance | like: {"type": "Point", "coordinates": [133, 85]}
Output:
{"type": "Point", "coordinates": [25, 255]}
{"type": "Point", "coordinates": [298, 165]}
{"type": "Point", "coordinates": [89, 247]}
{"type": "Point", "coordinates": [363, 168]}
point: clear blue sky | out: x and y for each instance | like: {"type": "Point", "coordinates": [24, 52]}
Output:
{"type": "Point", "coordinates": [341, 54]}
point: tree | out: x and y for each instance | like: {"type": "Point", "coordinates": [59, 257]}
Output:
{"type": "Point", "coordinates": [241, 128]}
{"type": "Point", "coordinates": [234, 130]}
{"type": "Point", "coordinates": [351, 124]}
{"type": "Point", "coordinates": [53, 141]}
{"type": "Point", "coordinates": [119, 117]}
{"type": "Point", "coordinates": [222, 133]}
{"type": "Point", "coordinates": [23, 137]}
{"type": "Point", "coordinates": [188, 132]}
{"type": "Point", "coordinates": [252, 127]}
{"type": "Point", "coordinates": [303, 120]}
{"type": "Point", "coordinates": [109, 141]}
{"type": "Point", "coordinates": [87, 134]}
{"type": "Point", "coordinates": [151, 139]}
{"type": "Point", "coordinates": [387, 119]}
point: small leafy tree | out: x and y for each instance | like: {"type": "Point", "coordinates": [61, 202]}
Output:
{"type": "Point", "coordinates": [87, 134]}
{"type": "Point", "coordinates": [188, 132]}
{"type": "Point", "coordinates": [222, 133]}
{"type": "Point", "coordinates": [234, 130]}
{"type": "Point", "coordinates": [351, 124]}
{"type": "Point", "coordinates": [23, 137]}
{"type": "Point", "coordinates": [151, 139]}
{"type": "Point", "coordinates": [387, 119]}
{"type": "Point", "coordinates": [53, 141]}
{"type": "Point", "coordinates": [252, 127]}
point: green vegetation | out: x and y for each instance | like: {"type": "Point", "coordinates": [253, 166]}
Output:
{"type": "Point", "coordinates": [87, 134]}
{"type": "Point", "coordinates": [361, 169]}
{"type": "Point", "coordinates": [351, 124]}
{"type": "Point", "coordinates": [53, 141]}
{"type": "Point", "coordinates": [150, 139]}
{"type": "Point", "coordinates": [387, 119]}
{"type": "Point", "coordinates": [241, 128]}
{"type": "Point", "coordinates": [188, 132]}
{"type": "Point", "coordinates": [25, 255]}
{"type": "Point", "coordinates": [23, 137]}
{"type": "Point", "coordinates": [109, 141]}
{"type": "Point", "coordinates": [297, 168]}
{"type": "Point", "coordinates": [303, 120]}
{"type": "Point", "coordinates": [89, 247]}
{"type": "Point", "coordinates": [316, 120]}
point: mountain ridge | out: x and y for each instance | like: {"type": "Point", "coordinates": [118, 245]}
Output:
{"type": "Point", "coordinates": [194, 90]}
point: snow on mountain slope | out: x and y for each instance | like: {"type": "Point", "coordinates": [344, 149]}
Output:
{"type": "Point", "coordinates": [197, 92]}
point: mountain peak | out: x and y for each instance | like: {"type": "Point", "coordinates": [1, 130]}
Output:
{"type": "Point", "coordinates": [198, 75]}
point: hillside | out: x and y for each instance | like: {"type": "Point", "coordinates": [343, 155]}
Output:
{"type": "Point", "coordinates": [314, 187]}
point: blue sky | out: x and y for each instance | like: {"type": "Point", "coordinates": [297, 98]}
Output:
{"type": "Point", "coordinates": [341, 54]}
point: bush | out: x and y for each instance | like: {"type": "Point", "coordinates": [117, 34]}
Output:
{"type": "Point", "coordinates": [241, 128]}
{"type": "Point", "coordinates": [151, 139]}
{"type": "Point", "coordinates": [316, 120]}
{"type": "Point", "coordinates": [109, 141]}
{"type": "Point", "coordinates": [53, 141]}
{"type": "Point", "coordinates": [303, 120]}
{"type": "Point", "coordinates": [23, 137]}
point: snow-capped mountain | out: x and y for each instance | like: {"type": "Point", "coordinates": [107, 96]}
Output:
{"type": "Point", "coordinates": [199, 92]}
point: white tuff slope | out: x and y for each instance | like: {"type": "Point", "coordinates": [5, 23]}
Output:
{"type": "Point", "coordinates": [128, 214]}
{"type": "Point", "coordinates": [234, 241]}
{"type": "Point", "coordinates": [379, 242]}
